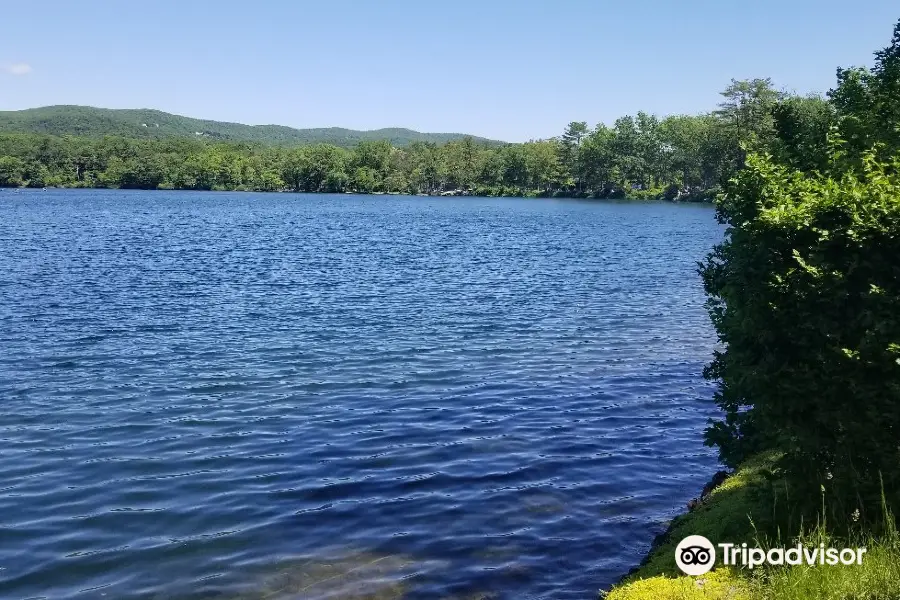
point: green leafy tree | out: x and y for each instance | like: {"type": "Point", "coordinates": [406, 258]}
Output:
{"type": "Point", "coordinates": [365, 180]}
{"type": "Point", "coordinates": [36, 174]}
{"type": "Point", "coordinates": [144, 174]}
{"type": "Point", "coordinates": [294, 168]}
{"type": "Point", "coordinates": [12, 171]}
{"type": "Point", "coordinates": [570, 142]}
{"type": "Point", "coordinates": [375, 157]}
{"type": "Point", "coordinates": [747, 108]}
{"type": "Point", "coordinates": [868, 102]}
{"type": "Point", "coordinates": [630, 164]}
{"type": "Point", "coordinates": [802, 126]}
{"type": "Point", "coordinates": [596, 161]}
{"type": "Point", "coordinates": [684, 138]}
{"type": "Point", "coordinates": [545, 172]}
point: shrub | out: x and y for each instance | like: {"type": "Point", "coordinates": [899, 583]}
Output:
{"type": "Point", "coordinates": [804, 292]}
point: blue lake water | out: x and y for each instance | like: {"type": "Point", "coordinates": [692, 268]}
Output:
{"type": "Point", "coordinates": [226, 395]}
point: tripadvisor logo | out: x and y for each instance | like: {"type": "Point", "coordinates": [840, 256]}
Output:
{"type": "Point", "coordinates": [696, 555]}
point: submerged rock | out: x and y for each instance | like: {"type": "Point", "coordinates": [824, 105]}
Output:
{"type": "Point", "coordinates": [358, 576]}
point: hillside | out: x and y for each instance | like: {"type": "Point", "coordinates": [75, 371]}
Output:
{"type": "Point", "coordinates": [147, 123]}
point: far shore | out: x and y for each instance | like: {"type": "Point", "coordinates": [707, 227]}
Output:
{"type": "Point", "coordinates": [638, 196]}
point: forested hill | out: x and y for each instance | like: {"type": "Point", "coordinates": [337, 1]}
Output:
{"type": "Point", "coordinates": [677, 157]}
{"type": "Point", "coordinates": [142, 123]}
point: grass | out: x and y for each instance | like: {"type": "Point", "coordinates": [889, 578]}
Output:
{"type": "Point", "coordinates": [877, 578]}
{"type": "Point", "coordinates": [753, 506]}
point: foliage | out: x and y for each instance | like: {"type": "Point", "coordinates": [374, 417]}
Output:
{"type": "Point", "coordinates": [12, 170]}
{"type": "Point", "coordinates": [868, 102]}
{"type": "Point", "coordinates": [747, 108]}
{"type": "Point", "coordinates": [88, 121]}
{"type": "Point", "coordinates": [641, 156]}
{"type": "Point", "coordinates": [803, 293]}
{"type": "Point", "coordinates": [802, 126]}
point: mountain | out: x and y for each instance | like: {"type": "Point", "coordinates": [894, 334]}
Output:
{"type": "Point", "coordinates": [147, 123]}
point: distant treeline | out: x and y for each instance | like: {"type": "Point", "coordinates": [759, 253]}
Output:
{"type": "Point", "coordinates": [678, 157]}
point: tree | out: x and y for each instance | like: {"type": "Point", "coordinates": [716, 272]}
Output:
{"type": "Point", "coordinates": [596, 159]}
{"type": "Point", "coordinates": [293, 169]}
{"type": "Point", "coordinates": [802, 125]}
{"type": "Point", "coordinates": [365, 180]}
{"type": "Point", "coordinates": [375, 157]}
{"type": "Point", "coordinates": [144, 174]}
{"type": "Point", "coordinates": [575, 132]}
{"type": "Point", "coordinates": [748, 109]}
{"type": "Point", "coordinates": [515, 167]}
{"type": "Point", "coordinates": [461, 163]}
{"type": "Point", "coordinates": [12, 171]}
{"type": "Point", "coordinates": [630, 164]}
{"type": "Point", "coordinates": [422, 162]}
{"type": "Point", "coordinates": [684, 137]}
{"type": "Point", "coordinates": [545, 172]}
{"type": "Point", "coordinates": [868, 102]}
{"type": "Point", "coordinates": [569, 144]}
{"type": "Point", "coordinates": [36, 174]}
{"type": "Point", "coordinates": [322, 166]}
{"type": "Point", "coordinates": [656, 156]}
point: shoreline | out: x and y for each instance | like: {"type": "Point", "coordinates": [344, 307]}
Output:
{"type": "Point", "coordinates": [748, 506]}
{"type": "Point", "coordinates": [719, 513]}
{"type": "Point", "coordinates": [526, 196]}
{"type": "Point", "coordinates": [665, 537]}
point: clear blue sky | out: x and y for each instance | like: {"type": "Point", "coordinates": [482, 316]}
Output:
{"type": "Point", "coordinates": [511, 70]}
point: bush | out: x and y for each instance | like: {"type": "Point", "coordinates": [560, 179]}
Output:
{"type": "Point", "coordinates": [805, 292]}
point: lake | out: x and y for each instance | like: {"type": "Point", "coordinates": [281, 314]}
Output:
{"type": "Point", "coordinates": [233, 395]}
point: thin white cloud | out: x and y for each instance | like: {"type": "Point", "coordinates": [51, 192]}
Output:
{"type": "Point", "coordinates": [18, 69]}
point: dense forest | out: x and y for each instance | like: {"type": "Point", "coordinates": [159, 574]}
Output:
{"type": "Point", "coordinates": [142, 123]}
{"type": "Point", "coordinates": [643, 156]}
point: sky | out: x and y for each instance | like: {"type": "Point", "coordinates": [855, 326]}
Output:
{"type": "Point", "coordinates": [509, 70]}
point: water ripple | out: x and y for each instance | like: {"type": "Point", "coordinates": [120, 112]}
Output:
{"type": "Point", "coordinates": [287, 396]}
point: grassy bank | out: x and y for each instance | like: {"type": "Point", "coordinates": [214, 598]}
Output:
{"type": "Point", "coordinates": [752, 506]}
